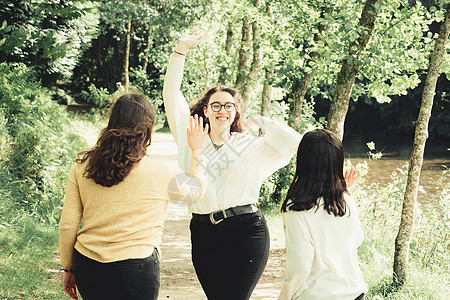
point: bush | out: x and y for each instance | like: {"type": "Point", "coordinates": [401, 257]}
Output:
{"type": "Point", "coordinates": [96, 97]}
{"type": "Point", "coordinates": [152, 89]}
{"type": "Point", "coordinates": [274, 189]}
{"type": "Point", "coordinates": [37, 149]}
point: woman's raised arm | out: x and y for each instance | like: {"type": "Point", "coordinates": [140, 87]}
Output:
{"type": "Point", "coordinates": [177, 109]}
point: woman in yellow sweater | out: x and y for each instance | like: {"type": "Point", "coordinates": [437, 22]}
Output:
{"type": "Point", "coordinates": [119, 197]}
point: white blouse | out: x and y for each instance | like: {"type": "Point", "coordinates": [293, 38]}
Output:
{"type": "Point", "coordinates": [321, 255]}
{"type": "Point", "coordinates": [237, 170]}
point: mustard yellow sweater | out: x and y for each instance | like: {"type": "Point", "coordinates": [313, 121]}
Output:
{"type": "Point", "coordinates": [126, 220]}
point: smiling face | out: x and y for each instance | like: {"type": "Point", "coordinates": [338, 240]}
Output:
{"type": "Point", "coordinates": [223, 118]}
{"type": "Point", "coordinates": [220, 95]}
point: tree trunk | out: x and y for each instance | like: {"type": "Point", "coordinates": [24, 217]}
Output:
{"type": "Point", "coordinates": [243, 55]}
{"type": "Point", "coordinates": [266, 94]}
{"type": "Point", "coordinates": [147, 50]}
{"type": "Point", "coordinates": [300, 88]}
{"type": "Point", "coordinates": [421, 135]}
{"type": "Point", "coordinates": [267, 91]}
{"type": "Point", "coordinates": [298, 97]}
{"type": "Point", "coordinates": [269, 9]}
{"type": "Point", "coordinates": [228, 45]}
{"type": "Point", "coordinates": [269, 72]}
{"type": "Point", "coordinates": [346, 77]}
{"type": "Point", "coordinates": [254, 69]}
{"type": "Point", "coordinates": [127, 58]}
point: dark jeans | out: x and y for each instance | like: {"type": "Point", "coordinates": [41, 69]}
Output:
{"type": "Point", "coordinates": [230, 257]}
{"type": "Point", "coordinates": [131, 279]}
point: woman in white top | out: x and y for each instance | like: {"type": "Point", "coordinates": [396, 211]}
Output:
{"type": "Point", "coordinates": [229, 235]}
{"type": "Point", "coordinates": [321, 224]}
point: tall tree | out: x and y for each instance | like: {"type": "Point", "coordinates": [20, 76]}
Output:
{"type": "Point", "coordinates": [148, 44]}
{"type": "Point", "coordinates": [244, 80]}
{"type": "Point", "coordinates": [269, 71]}
{"type": "Point", "coordinates": [126, 65]}
{"type": "Point", "coordinates": [349, 69]}
{"type": "Point", "coordinates": [228, 45]}
{"type": "Point", "coordinates": [255, 65]}
{"type": "Point", "coordinates": [421, 135]}
{"type": "Point", "coordinates": [243, 55]}
{"type": "Point", "coordinates": [300, 86]}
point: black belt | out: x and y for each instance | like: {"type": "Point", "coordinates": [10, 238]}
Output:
{"type": "Point", "coordinates": [218, 216]}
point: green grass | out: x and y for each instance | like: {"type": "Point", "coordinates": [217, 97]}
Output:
{"type": "Point", "coordinates": [376, 260]}
{"type": "Point", "coordinates": [28, 261]}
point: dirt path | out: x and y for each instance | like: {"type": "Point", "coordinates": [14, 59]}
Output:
{"type": "Point", "coordinates": [178, 279]}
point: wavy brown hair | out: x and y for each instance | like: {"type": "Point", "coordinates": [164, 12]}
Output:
{"type": "Point", "coordinates": [203, 102]}
{"type": "Point", "coordinates": [123, 143]}
{"type": "Point", "coordinates": [319, 174]}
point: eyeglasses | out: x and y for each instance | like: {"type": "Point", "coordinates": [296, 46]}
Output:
{"type": "Point", "coordinates": [216, 106]}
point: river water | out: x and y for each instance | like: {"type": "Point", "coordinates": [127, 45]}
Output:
{"type": "Point", "coordinates": [396, 152]}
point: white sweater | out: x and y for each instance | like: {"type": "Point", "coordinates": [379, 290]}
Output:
{"type": "Point", "coordinates": [237, 170]}
{"type": "Point", "coordinates": [321, 255]}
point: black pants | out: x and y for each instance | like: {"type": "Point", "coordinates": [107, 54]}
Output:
{"type": "Point", "coordinates": [230, 257]}
{"type": "Point", "coordinates": [131, 279]}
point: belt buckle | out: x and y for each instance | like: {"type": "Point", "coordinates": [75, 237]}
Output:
{"type": "Point", "coordinates": [213, 221]}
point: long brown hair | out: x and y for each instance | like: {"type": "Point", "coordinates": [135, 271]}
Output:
{"type": "Point", "coordinates": [203, 102]}
{"type": "Point", "coordinates": [123, 143]}
{"type": "Point", "coordinates": [319, 174]}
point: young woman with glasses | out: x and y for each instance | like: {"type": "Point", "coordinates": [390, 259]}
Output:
{"type": "Point", "coordinates": [229, 235]}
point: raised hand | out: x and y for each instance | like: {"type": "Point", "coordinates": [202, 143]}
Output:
{"type": "Point", "coordinates": [189, 40]}
{"type": "Point", "coordinates": [196, 134]}
{"type": "Point", "coordinates": [351, 177]}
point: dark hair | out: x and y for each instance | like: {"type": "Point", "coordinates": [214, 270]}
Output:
{"type": "Point", "coordinates": [123, 143]}
{"type": "Point", "coordinates": [319, 174]}
{"type": "Point", "coordinates": [203, 102]}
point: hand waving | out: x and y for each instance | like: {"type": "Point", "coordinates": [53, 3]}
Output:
{"type": "Point", "coordinates": [196, 134]}
{"type": "Point", "coordinates": [351, 177]}
{"type": "Point", "coordinates": [189, 40]}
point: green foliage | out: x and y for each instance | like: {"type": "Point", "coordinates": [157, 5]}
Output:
{"type": "Point", "coordinates": [37, 148]}
{"type": "Point", "coordinates": [151, 26]}
{"type": "Point", "coordinates": [150, 87]}
{"type": "Point", "coordinates": [96, 97]}
{"type": "Point", "coordinates": [36, 151]}
{"type": "Point", "coordinates": [391, 64]}
{"type": "Point", "coordinates": [431, 239]}
{"type": "Point", "coordinates": [274, 189]}
{"type": "Point", "coordinates": [46, 35]}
